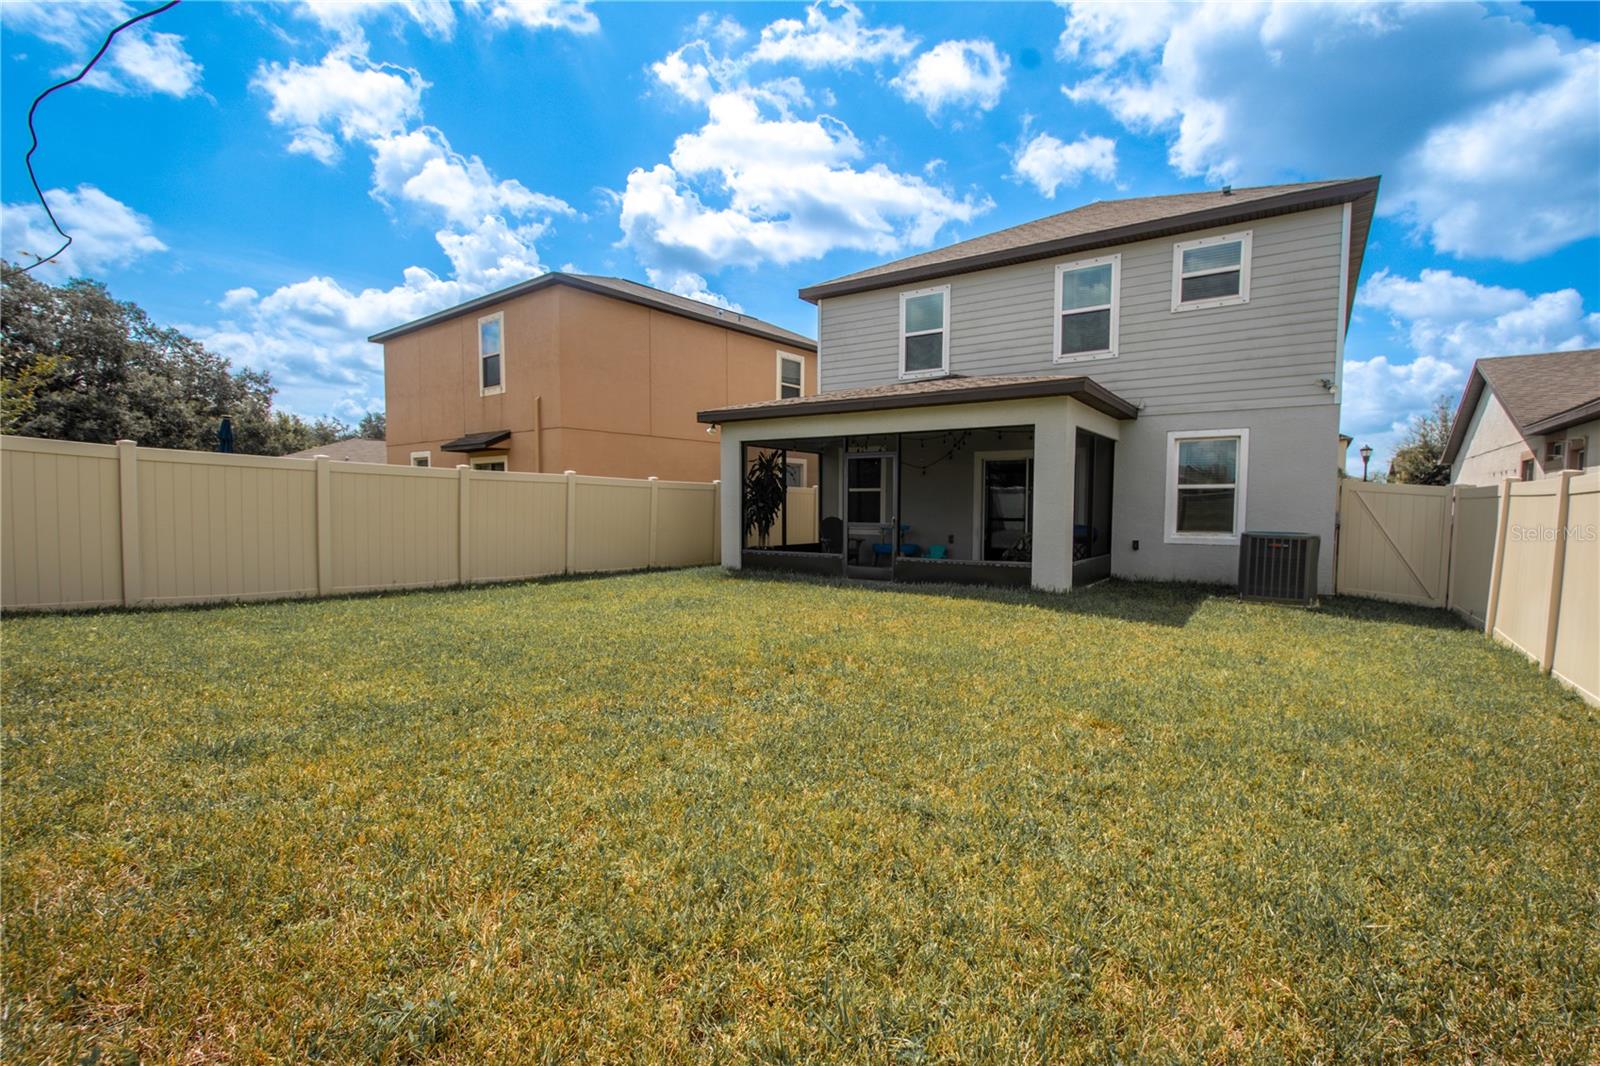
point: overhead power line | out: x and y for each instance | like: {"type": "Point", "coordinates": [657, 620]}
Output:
{"type": "Point", "coordinates": [34, 134]}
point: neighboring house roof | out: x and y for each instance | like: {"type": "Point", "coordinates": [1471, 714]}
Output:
{"type": "Point", "coordinates": [621, 289]}
{"type": "Point", "coordinates": [1108, 222]}
{"type": "Point", "coordinates": [349, 450]}
{"type": "Point", "coordinates": [476, 442]}
{"type": "Point", "coordinates": [1540, 393]}
{"type": "Point", "coordinates": [931, 393]}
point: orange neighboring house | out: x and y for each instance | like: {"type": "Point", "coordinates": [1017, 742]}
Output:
{"type": "Point", "coordinates": [576, 372]}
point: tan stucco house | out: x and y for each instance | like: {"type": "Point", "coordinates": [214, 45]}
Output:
{"type": "Point", "coordinates": [576, 372]}
{"type": "Point", "coordinates": [1526, 417]}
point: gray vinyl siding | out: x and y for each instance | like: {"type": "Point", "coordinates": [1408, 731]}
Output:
{"type": "Point", "coordinates": [1267, 353]}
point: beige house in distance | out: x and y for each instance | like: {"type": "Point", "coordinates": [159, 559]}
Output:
{"type": "Point", "coordinates": [1526, 417]}
{"type": "Point", "coordinates": [576, 372]}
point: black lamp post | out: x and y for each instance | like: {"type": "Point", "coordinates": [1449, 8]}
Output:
{"type": "Point", "coordinates": [1366, 457]}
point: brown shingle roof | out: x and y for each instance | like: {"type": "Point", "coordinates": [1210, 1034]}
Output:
{"type": "Point", "coordinates": [1107, 222]}
{"type": "Point", "coordinates": [1541, 393]}
{"type": "Point", "coordinates": [622, 289]}
{"type": "Point", "coordinates": [349, 450]}
{"type": "Point", "coordinates": [953, 389]}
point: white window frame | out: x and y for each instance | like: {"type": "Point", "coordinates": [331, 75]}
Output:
{"type": "Point", "coordinates": [805, 469]}
{"type": "Point", "coordinates": [790, 357]}
{"type": "Point", "coordinates": [943, 369]}
{"type": "Point", "coordinates": [1243, 237]}
{"type": "Point", "coordinates": [485, 461]}
{"type": "Point", "coordinates": [886, 473]}
{"type": "Point", "coordinates": [1241, 482]}
{"type": "Point", "coordinates": [978, 502]}
{"type": "Point", "coordinates": [1116, 317]}
{"type": "Point", "coordinates": [492, 390]}
{"type": "Point", "coordinates": [426, 457]}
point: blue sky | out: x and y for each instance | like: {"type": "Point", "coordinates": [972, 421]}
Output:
{"type": "Point", "coordinates": [282, 180]}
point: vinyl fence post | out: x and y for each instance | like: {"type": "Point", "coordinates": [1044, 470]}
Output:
{"type": "Point", "coordinates": [655, 511]}
{"type": "Point", "coordinates": [324, 526]}
{"type": "Point", "coordinates": [572, 520]}
{"type": "Point", "coordinates": [1502, 521]}
{"type": "Point", "coordinates": [716, 521]}
{"type": "Point", "coordinates": [464, 523]}
{"type": "Point", "coordinates": [128, 505]}
{"type": "Point", "coordinates": [1558, 565]}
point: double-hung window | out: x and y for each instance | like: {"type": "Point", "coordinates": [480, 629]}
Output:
{"type": "Point", "coordinates": [491, 354]}
{"type": "Point", "coordinates": [925, 333]}
{"type": "Point", "coordinates": [1211, 272]}
{"type": "Point", "coordinates": [791, 376]}
{"type": "Point", "coordinates": [1205, 486]}
{"type": "Point", "coordinates": [1086, 309]}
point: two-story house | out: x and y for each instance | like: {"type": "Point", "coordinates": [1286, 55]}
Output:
{"type": "Point", "coordinates": [1120, 389]}
{"type": "Point", "coordinates": [1525, 417]}
{"type": "Point", "coordinates": [575, 372]}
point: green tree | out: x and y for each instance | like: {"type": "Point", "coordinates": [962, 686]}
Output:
{"type": "Point", "coordinates": [373, 426]}
{"type": "Point", "coordinates": [1419, 460]}
{"type": "Point", "coordinates": [77, 364]}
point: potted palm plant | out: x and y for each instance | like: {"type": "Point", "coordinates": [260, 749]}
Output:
{"type": "Point", "coordinates": [764, 495]}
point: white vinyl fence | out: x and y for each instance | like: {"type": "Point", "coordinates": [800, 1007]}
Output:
{"type": "Point", "coordinates": [1521, 559]}
{"type": "Point", "coordinates": [92, 525]}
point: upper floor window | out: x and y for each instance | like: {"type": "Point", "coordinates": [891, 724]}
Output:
{"type": "Point", "coordinates": [1205, 485]}
{"type": "Point", "coordinates": [925, 332]}
{"type": "Point", "coordinates": [491, 354]}
{"type": "Point", "coordinates": [1211, 272]}
{"type": "Point", "coordinates": [1086, 309]}
{"type": "Point", "coordinates": [791, 376]}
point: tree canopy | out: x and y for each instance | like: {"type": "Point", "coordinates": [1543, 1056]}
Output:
{"type": "Point", "coordinates": [1419, 460]}
{"type": "Point", "coordinates": [78, 364]}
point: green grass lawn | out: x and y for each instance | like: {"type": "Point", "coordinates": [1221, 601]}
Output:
{"type": "Point", "coordinates": [688, 817]}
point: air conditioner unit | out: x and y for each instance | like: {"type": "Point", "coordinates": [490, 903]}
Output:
{"type": "Point", "coordinates": [1279, 567]}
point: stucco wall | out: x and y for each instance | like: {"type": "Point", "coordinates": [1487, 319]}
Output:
{"type": "Point", "coordinates": [602, 386]}
{"type": "Point", "coordinates": [1291, 485]}
{"type": "Point", "coordinates": [1493, 449]}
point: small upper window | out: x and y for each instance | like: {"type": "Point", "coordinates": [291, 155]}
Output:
{"type": "Point", "coordinates": [791, 376]}
{"type": "Point", "coordinates": [1554, 452]}
{"type": "Point", "coordinates": [1527, 471]}
{"type": "Point", "coordinates": [1211, 272]}
{"type": "Point", "coordinates": [1577, 452]}
{"type": "Point", "coordinates": [925, 332]}
{"type": "Point", "coordinates": [491, 354]}
{"type": "Point", "coordinates": [421, 459]}
{"type": "Point", "coordinates": [1205, 486]}
{"type": "Point", "coordinates": [497, 463]}
{"type": "Point", "coordinates": [1086, 309]}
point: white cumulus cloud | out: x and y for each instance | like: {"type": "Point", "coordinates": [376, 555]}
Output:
{"type": "Point", "coordinates": [1447, 316]}
{"type": "Point", "coordinates": [573, 16]}
{"type": "Point", "coordinates": [1048, 163]}
{"type": "Point", "coordinates": [1447, 321]}
{"type": "Point", "coordinates": [968, 74]}
{"type": "Point", "coordinates": [345, 97]}
{"type": "Point", "coordinates": [420, 168]}
{"type": "Point", "coordinates": [141, 60]}
{"type": "Point", "coordinates": [105, 233]}
{"type": "Point", "coordinates": [1482, 120]}
{"type": "Point", "coordinates": [791, 189]}
{"type": "Point", "coordinates": [833, 34]}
